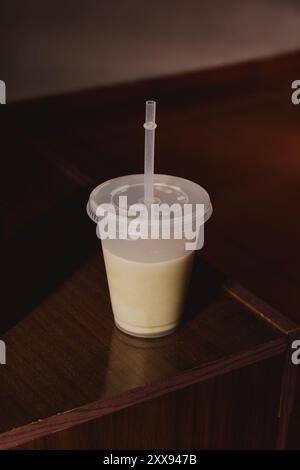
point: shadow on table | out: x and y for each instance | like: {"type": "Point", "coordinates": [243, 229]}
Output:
{"type": "Point", "coordinates": [43, 254]}
{"type": "Point", "coordinates": [205, 285]}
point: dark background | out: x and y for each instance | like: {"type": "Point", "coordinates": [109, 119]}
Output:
{"type": "Point", "coordinates": [57, 46]}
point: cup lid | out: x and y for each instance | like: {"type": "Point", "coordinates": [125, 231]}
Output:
{"type": "Point", "coordinates": [167, 189]}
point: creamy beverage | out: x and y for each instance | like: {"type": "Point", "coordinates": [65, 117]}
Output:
{"type": "Point", "coordinates": [150, 226]}
{"type": "Point", "coordinates": [147, 297]}
{"type": "Point", "coordinates": [147, 278]}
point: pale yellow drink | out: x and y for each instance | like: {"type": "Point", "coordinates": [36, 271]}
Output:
{"type": "Point", "coordinates": [147, 297]}
{"type": "Point", "coordinates": [147, 276]}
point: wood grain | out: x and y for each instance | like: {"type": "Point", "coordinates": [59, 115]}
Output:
{"type": "Point", "coordinates": [71, 360]}
{"type": "Point", "coordinates": [220, 413]}
{"type": "Point", "coordinates": [234, 131]}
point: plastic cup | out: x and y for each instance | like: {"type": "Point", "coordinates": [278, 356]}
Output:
{"type": "Point", "coordinates": [147, 278]}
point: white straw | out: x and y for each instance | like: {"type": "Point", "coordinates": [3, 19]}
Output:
{"type": "Point", "coordinates": [149, 126]}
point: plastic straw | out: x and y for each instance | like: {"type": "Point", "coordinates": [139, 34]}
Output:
{"type": "Point", "coordinates": [149, 126]}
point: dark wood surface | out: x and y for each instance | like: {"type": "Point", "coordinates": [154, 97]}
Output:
{"type": "Point", "coordinates": [232, 130]}
{"type": "Point", "coordinates": [220, 413]}
{"type": "Point", "coordinates": [67, 363]}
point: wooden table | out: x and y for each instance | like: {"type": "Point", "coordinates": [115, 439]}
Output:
{"type": "Point", "coordinates": [225, 379]}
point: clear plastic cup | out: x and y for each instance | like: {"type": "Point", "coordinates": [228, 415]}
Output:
{"type": "Point", "coordinates": [147, 278]}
